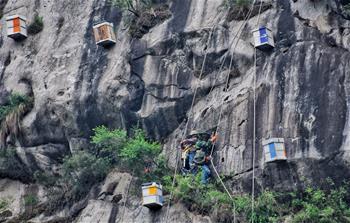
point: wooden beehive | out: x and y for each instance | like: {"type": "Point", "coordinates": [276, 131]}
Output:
{"type": "Point", "coordinates": [152, 195]}
{"type": "Point", "coordinates": [16, 27]}
{"type": "Point", "coordinates": [104, 34]}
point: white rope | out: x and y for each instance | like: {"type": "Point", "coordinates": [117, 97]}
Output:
{"type": "Point", "coordinates": [187, 122]}
{"type": "Point", "coordinates": [254, 123]}
{"type": "Point", "coordinates": [238, 36]}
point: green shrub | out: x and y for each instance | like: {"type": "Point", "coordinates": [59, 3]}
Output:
{"type": "Point", "coordinates": [347, 9]}
{"type": "Point", "coordinates": [37, 25]}
{"type": "Point", "coordinates": [30, 200]}
{"type": "Point", "coordinates": [10, 116]}
{"type": "Point", "coordinates": [4, 204]}
{"type": "Point", "coordinates": [321, 206]}
{"type": "Point", "coordinates": [44, 178]}
{"type": "Point", "coordinates": [134, 7]}
{"type": "Point", "coordinates": [15, 100]}
{"type": "Point", "coordinates": [108, 143]}
{"type": "Point", "coordinates": [139, 153]}
{"type": "Point", "coordinates": [82, 170]}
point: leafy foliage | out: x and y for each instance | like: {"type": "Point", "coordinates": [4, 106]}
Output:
{"type": "Point", "coordinates": [4, 204]}
{"type": "Point", "coordinates": [139, 153]}
{"type": "Point", "coordinates": [134, 7]}
{"type": "Point", "coordinates": [310, 206]}
{"type": "Point", "coordinates": [11, 114]}
{"type": "Point", "coordinates": [347, 9]}
{"type": "Point", "coordinates": [30, 200]}
{"type": "Point", "coordinates": [108, 142]}
{"type": "Point", "coordinates": [44, 178]}
{"type": "Point", "coordinates": [144, 14]}
{"type": "Point", "coordinates": [14, 101]}
{"type": "Point", "coordinates": [82, 170]}
{"type": "Point", "coordinates": [319, 206]}
{"type": "Point", "coordinates": [37, 25]}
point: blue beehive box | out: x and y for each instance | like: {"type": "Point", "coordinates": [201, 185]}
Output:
{"type": "Point", "coordinates": [263, 38]}
{"type": "Point", "coordinates": [274, 150]}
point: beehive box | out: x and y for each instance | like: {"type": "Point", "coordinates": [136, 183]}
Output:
{"type": "Point", "coordinates": [104, 34]}
{"type": "Point", "coordinates": [152, 195]}
{"type": "Point", "coordinates": [16, 27]}
{"type": "Point", "coordinates": [274, 150]}
{"type": "Point", "coordinates": [263, 38]}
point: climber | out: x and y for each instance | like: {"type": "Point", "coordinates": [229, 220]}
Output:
{"type": "Point", "coordinates": [202, 157]}
{"type": "Point", "coordinates": [188, 151]}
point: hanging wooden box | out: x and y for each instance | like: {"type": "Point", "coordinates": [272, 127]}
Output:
{"type": "Point", "coordinates": [274, 150]}
{"type": "Point", "coordinates": [104, 34]}
{"type": "Point", "coordinates": [16, 27]}
{"type": "Point", "coordinates": [152, 195]}
{"type": "Point", "coordinates": [263, 38]}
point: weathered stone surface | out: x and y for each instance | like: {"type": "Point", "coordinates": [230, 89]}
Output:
{"type": "Point", "coordinates": [302, 92]}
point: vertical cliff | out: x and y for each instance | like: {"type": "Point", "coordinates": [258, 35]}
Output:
{"type": "Point", "coordinates": [302, 95]}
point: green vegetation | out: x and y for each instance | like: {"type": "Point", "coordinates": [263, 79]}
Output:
{"type": "Point", "coordinates": [312, 205]}
{"type": "Point", "coordinates": [83, 170]}
{"type": "Point", "coordinates": [111, 148]}
{"type": "Point", "coordinates": [37, 25]}
{"type": "Point", "coordinates": [4, 204]}
{"type": "Point", "coordinates": [322, 206]}
{"type": "Point", "coordinates": [15, 102]}
{"type": "Point", "coordinates": [144, 14]}
{"type": "Point", "coordinates": [11, 114]}
{"type": "Point", "coordinates": [134, 7]}
{"type": "Point", "coordinates": [139, 153]}
{"type": "Point", "coordinates": [44, 178]}
{"type": "Point", "coordinates": [347, 9]}
{"type": "Point", "coordinates": [108, 143]}
{"type": "Point", "coordinates": [30, 200]}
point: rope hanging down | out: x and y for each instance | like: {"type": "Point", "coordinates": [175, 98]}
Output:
{"type": "Point", "coordinates": [187, 122]}
{"type": "Point", "coordinates": [254, 122]}
{"type": "Point", "coordinates": [238, 34]}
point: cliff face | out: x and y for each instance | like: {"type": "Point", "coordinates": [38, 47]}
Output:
{"type": "Point", "coordinates": [302, 93]}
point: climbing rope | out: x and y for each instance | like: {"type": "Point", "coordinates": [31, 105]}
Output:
{"type": "Point", "coordinates": [187, 122]}
{"type": "Point", "coordinates": [254, 122]}
{"type": "Point", "coordinates": [238, 36]}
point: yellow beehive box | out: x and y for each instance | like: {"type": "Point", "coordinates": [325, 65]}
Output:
{"type": "Point", "coordinates": [152, 195]}
{"type": "Point", "coordinates": [16, 27]}
{"type": "Point", "coordinates": [104, 34]}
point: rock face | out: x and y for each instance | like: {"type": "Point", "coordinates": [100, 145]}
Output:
{"type": "Point", "coordinates": [302, 92]}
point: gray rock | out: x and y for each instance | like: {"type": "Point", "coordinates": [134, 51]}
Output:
{"type": "Point", "coordinates": [302, 93]}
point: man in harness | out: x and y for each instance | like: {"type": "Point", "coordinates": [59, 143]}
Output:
{"type": "Point", "coordinates": [196, 151]}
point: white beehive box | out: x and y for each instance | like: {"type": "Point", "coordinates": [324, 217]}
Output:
{"type": "Point", "coordinates": [274, 149]}
{"type": "Point", "coordinates": [104, 34]}
{"type": "Point", "coordinates": [263, 38]}
{"type": "Point", "coordinates": [16, 27]}
{"type": "Point", "coordinates": [152, 195]}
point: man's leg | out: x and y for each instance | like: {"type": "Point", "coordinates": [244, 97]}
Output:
{"type": "Point", "coordinates": [205, 174]}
